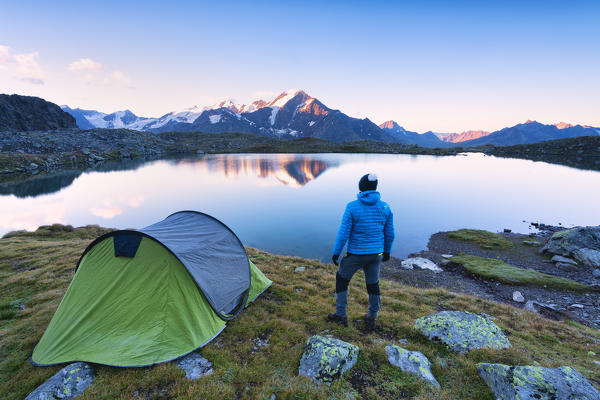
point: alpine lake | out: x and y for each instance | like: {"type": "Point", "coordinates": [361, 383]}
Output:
{"type": "Point", "coordinates": [293, 203]}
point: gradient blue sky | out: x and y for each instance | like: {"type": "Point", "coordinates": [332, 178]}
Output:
{"type": "Point", "coordinates": [442, 66]}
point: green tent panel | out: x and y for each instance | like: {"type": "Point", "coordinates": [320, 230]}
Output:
{"type": "Point", "coordinates": [146, 307]}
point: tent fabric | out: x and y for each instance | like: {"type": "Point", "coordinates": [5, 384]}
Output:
{"type": "Point", "coordinates": [201, 242]}
{"type": "Point", "coordinates": [134, 311]}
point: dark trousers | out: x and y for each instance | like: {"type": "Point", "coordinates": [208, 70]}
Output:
{"type": "Point", "coordinates": [348, 266]}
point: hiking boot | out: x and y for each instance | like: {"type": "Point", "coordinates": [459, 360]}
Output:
{"type": "Point", "coordinates": [370, 323]}
{"type": "Point", "coordinates": [338, 319]}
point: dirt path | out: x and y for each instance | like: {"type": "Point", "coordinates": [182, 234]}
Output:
{"type": "Point", "coordinates": [557, 304]}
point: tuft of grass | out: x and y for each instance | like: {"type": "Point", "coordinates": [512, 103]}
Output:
{"type": "Point", "coordinates": [35, 271]}
{"type": "Point", "coordinates": [486, 240]}
{"type": "Point", "coordinates": [491, 268]}
{"type": "Point", "coordinates": [59, 231]}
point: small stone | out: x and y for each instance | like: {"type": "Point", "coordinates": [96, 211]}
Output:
{"type": "Point", "coordinates": [300, 269]}
{"type": "Point", "coordinates": [33, 166]}
{"type": "Point", "coordinates": [194, 366]}
{"type": "Point", "coordinates": [411, 362]}
{"type": "Point", "coordinates": [591, 353]}
{"type": "Point", "coordinates": [566, 267]}
{"type": "Point", "coordinates": [447, 256]}
{"type": "Point", "coordinates": [403, 341]}
{"type": "Point", "coordinates": [531, 243]}
{"type": "Point", "coordinates": [421, 263]}
{"type": "Point", "coordinates": [506, 230]}
{"type": "Point", "coordinates": [561, 259]}
{"type": "Point", "coordinates": [596, 273]}
{"type": "Point", "coordinates": [518, 297]}
{"type": "Point", "coordinates": [298, 290]}
{"type": "Point", "coordinates": [596, 362]}
{"type": "Point", "coordinates": [578, 306]}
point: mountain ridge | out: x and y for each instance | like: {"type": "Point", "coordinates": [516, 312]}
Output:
{"type": "Point", "coordinates": [295, 114]}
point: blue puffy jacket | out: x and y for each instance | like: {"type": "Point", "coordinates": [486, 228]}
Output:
{"type": "Point", "coordinates": [367, 226]}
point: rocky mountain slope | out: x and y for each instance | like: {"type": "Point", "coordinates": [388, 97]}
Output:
{"type": "Point", "coordinates": [427, 139]}
{"type": "Point", "coordinates": [26, 113]}
{"type": "Point", "coordinates": [532, 132]}
{"type": "Point", "coordinates": [292, 114]}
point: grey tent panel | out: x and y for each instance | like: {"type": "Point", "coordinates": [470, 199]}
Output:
{"type": "Point", "coordinates": [213, 255]}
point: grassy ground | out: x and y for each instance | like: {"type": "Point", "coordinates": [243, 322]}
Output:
{"type": "Point", "coordinates": [498, 270]}
{"type": "Point", "coordinates": [486, 240]}
{"type": "Point", "coordinates": [35, 271]}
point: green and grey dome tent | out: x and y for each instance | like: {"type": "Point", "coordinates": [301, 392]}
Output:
{"type": "Point", "coordinates": [142, 297]}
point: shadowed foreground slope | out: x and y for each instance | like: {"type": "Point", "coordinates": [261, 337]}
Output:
{"type": "Point", "coordinates": [36, 268]}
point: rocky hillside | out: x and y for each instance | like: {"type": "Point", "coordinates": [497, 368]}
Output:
{"type": "Point", "coordinates": [25, 113]}
{"type": "Point", "coordinates": [579, 152]}
{"type": "Point", "coordinates": [532, 132]}
{"type": "Point", "coordinates": [265, 352]}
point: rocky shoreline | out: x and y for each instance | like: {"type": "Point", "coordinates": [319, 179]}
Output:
{"type": "Point", "coordinates": [24, 154]}
{"type": "Point", "coordinates": [525, 252]}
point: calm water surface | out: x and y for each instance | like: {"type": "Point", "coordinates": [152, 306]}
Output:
{"type": "Point", "coordinates": [292, 204]}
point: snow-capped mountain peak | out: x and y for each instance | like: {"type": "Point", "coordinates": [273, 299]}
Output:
{"type": "Point", "coordinates": [281, 100]}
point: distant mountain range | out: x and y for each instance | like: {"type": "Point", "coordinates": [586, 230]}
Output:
{"type": "Point", "coordinates": [295, 114]}
{"type": "Point", "coordinates": [292, 114]}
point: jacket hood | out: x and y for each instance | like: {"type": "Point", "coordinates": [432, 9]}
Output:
{"type": "Point", "coordinates": [369, 197]}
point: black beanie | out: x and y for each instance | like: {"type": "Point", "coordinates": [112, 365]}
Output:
{"type": "Point", "coordinates": [368, 182]}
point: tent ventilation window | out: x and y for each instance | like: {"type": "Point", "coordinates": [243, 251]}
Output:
{"type": "Point", "coordinates": [126, 243]}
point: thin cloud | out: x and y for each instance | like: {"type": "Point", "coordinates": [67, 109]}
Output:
{"type": "Point", "coordinates": [85, 64]}
{"type": "Point", "coordinates": [94, 73]}
{"type": "Point", "coordinates": [24, 66]}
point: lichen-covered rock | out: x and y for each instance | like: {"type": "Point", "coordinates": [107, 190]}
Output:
{"type": "Point", "coordinates": [588, 257]}
{"type": "Point", "coordinates": [462, 331]}
{"type": "Point", "coordinates": [565, 242]}
{"type": "Point", "coordinates": [194, 366]}
{"type": "Point", "coordinates": [411, 362]}
{"type": "Point", "coordinates": [421, 263]}
{"type": "Point", "coordinates": [326, 359]}
{"type": "Point", "coordinates": [67, 383]}
{"type": "Point", "coordinates": [525, 382]}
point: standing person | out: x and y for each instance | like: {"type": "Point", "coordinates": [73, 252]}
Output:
{"type": "Point", "coordinates": [368, 227]}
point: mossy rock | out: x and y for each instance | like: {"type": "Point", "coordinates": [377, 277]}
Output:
{"type": "Point", "coordinates": [486, 240]}
{"type": "Point", "coordinates": [326, 359]}
{"type": "Point", "coordinates": [462, 331]}
{"type": "Point", "coordinates": [67, 383]}
{"type": "Point", "coordinates": [412, 362]}
{"type": "Point", "coordinates": [525, 382]}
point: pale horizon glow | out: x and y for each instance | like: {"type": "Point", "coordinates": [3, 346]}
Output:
{"type": "Point", "coordinates": [432, 65]}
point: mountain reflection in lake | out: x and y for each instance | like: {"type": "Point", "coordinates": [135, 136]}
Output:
{"type": "Point", "coordinates": [289, 169]}
{"type": "Point", "coordinates": [293, 203]}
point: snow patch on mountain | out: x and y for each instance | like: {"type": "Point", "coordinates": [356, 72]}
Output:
{"type": "Point", "coordinates": [214, 119]}
{"type": "Point", "coordinates": [274, 111]}
{"type": "Point", "coordinates": [283, 98]}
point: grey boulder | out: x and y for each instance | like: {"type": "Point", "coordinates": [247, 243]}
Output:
{"type": "Point", "coordinates": [326, 359]}
{"type": "Point", "coordinates": [411, 362]}
{"type": "Point", "coordinates": [462, 331]}
{"type": "Point", "coordinates": [194, 366]}
{"type": "Point", "coordinates": [525, 382]}
{"type": "Point", "coordinates": [564, 243]}
{"type": "Point", "coordinates": [588, 257]}
{"type": "Point", "coordinates": [67, 383]}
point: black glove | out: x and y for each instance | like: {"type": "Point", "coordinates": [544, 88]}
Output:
{"type": "Point", "coordinates": [334, 258]}
{"type": "Point", "coordinates": [386, 257]}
